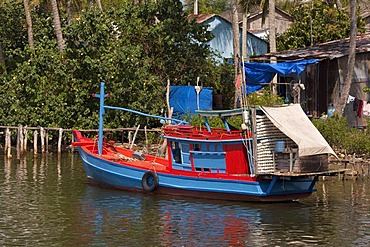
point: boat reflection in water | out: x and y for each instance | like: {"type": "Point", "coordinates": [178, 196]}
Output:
{"type": "Point", "coordinates": [147, 220]}
{"type": "Point", "coordinates": [119, 218]}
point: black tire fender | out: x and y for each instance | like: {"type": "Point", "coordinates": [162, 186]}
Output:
{"type": "Point", "coordinates": [149, 181]}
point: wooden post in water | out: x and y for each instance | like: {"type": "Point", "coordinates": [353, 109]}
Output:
{"type": "Point", "coordinates": [42, 136]}
{"type": "Point", "coordinates": [35, 136]}
{"type": "Point", "coordinates": [25, 136]}
{"type": "Point", "coordinates": [6, 141]}
{"type": "Point", "coordinates": [72, 147]}
{"type": "Point", "coordinates": [19, 140]}
{"type": "Point", "coordinates": [8, 144]}
{"type": "Point", "coordinates": [47, 140]}
{"type": "Point", "coordinates": [60, 140]}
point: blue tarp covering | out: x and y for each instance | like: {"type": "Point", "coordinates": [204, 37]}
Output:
{"type": "Point", "coordinates": [257, 73]}
{"type": "Point", "coordinates": [183, 99]}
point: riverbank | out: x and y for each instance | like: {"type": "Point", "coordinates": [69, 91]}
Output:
{"type": "Point", "coordinates": [357, 167]}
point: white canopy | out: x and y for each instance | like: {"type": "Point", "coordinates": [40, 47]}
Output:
{"type": "Point", "coordinates": [293, 122]}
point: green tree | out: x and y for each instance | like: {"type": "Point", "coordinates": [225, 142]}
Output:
{"type": "Point", "coordinates": [315, 23]}
{"type": "Point", "coordinates": [13, 34]}
{"type": "Point", "coordinates": [134, 49]}
{"type": "Point", "coordinates": [207, 6]}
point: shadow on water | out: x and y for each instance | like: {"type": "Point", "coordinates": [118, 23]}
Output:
{"type": "Point", "coordinates": [46, 201]}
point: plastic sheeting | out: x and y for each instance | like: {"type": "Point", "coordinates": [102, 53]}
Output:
{"type": "Point", "coordinates": [293, 122]}
{"type": "Point", "coordinates": [258, 74]}
{"type": "Point", "coordinates": [184, 100]}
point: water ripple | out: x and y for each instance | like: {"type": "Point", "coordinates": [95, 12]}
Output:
{"type": "Point", "coordinates": [47, 202]}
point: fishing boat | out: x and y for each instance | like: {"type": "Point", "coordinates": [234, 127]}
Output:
{"type": "Point", "coordinates": [278, 155]}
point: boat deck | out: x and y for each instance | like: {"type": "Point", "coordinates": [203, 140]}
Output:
{"type": "Point", "coordinates": [122, 159]}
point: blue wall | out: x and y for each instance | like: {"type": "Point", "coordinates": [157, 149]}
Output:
{"type": "Point", "coordinates": [222, 43]}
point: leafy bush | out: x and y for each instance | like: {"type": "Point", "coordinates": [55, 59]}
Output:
{"type": "Point", "coordinates": [342, 137]}
{"type": "Point", "coordinates": [264, 97]}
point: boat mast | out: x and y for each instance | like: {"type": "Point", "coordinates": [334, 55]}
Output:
{"type": "Point", "coordinates": [101, 96]}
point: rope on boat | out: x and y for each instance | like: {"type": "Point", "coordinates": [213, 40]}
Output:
{"type": "Point", "coordinates": [245, 106]}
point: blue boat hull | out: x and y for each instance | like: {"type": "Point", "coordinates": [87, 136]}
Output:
{"type": "Point", "coordinates": [124, 177]}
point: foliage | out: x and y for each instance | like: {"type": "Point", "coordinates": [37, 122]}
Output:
{"type": "Point", "coordinates": [208, 6]}
{"type": "Point", "coordinates": [134, 49]}
{"type": "Point", "coordinates": [315, 22]}
{"type": "Point", "coordinates": [264, 97]}
{"type": "Point", "coordinates": [234, 122]}
{"type": "Point", "coordinates": [342, 137]}
{"type": "Point", "coordinates": [13, 35]}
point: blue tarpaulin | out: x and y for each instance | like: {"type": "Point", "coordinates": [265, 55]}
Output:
{"type": "Point", "coordinates": [184, 100]}
{"type": "Point", "coordinates": [257, 73]}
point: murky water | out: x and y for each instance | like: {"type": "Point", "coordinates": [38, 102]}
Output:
{"type": "Point", "coordinates": [46, 202]}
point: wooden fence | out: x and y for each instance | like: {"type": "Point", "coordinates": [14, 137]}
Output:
{"type": "Point", "coordinates": [42, 133]}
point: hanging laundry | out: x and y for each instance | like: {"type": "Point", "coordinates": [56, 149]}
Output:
{"type": "Point", "coordinates": [366, 109]}
{"type": "Point", "coordinates": [356, 102]}
{"type": "Point", "coordinates": [350, 99]}
{"type": "Point", "coordinates": [359, 110]}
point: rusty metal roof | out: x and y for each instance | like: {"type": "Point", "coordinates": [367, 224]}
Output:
{"type": "Point", "coordinates": [200, 17]}
{"type": "Point", "coordinates": [329, 50]}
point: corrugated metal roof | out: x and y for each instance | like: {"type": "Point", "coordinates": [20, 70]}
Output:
{"type": "Point", "coordinates": [329, 50]}
{"type": "Point", "coordinates": [200, 17]}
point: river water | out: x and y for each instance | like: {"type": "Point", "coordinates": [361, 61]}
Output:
{"type": "Point", "coordinates": [46, 201]}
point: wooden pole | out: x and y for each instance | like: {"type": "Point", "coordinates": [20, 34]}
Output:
{"type": "Point", "coordinates": [163, 148]}
{"type": "Point", "coordinates": [168, 99]}
{"type": "Point", "coordinates": [146, 140]}
{"type": "Point", "coordinates": [19, 139]}
{"type": "Point", "coordinates": [72, 148]}
{"type": "Point", "coordinates": [25, 136]}
{"type": "Point", "coordinates": [129, 137]}
{"type": "Point", "coordinates": [60, 140]}
{"type": "Point", "coordinates": [133, 139]}
{"type": "Point", "coordinates": [47, 140]}
{"type": "Point", "coordinates": [35, 136]}
{"type": "Point", "coordinates": [42, 136]}
{"type": "Point", "coordinates": [8, 144]}
{"type": "Point", "coordinates": [6, 141]}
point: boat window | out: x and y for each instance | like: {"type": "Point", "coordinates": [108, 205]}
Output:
{"type": "Point", "coordinates": [203, 170]}
{"type": "Point", "coordinates": [176, 152]}
{"type": "Point", "coordinates": [196, 147]}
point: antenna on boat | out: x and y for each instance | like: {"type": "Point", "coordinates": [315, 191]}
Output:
{"type": "Point", "coordinates": [198, 89]}
{"type": "Point", "coordinates": [246, 122]}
